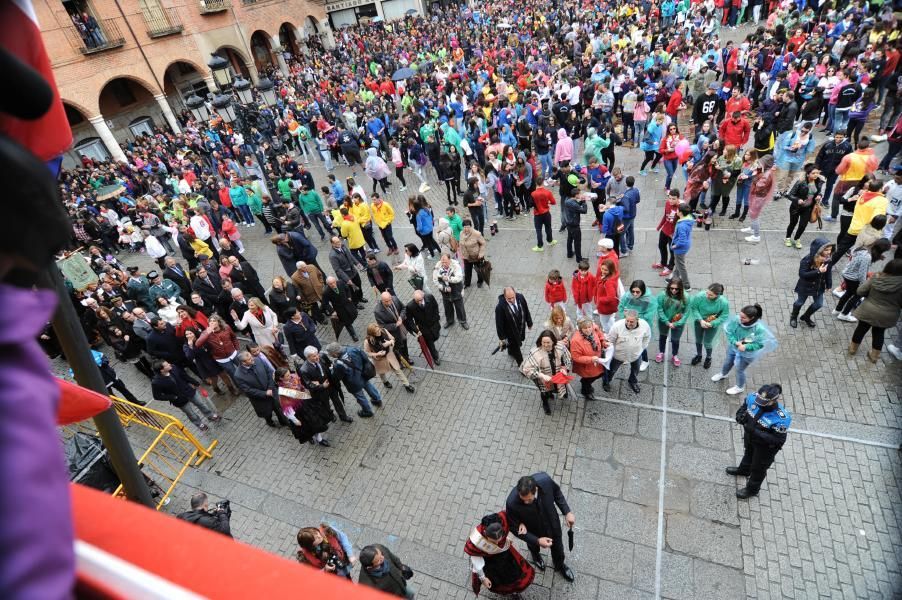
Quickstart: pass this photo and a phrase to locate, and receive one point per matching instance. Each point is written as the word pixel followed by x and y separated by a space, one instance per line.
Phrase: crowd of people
pixel 512 109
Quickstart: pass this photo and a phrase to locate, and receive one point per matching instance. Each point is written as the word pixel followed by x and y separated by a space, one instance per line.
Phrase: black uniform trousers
pixel 755 462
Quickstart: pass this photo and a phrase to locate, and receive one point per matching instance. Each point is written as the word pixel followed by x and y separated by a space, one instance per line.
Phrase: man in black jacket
pixel 827 159
pixel 533 518
pixel 162 342
pixel 380 275
pixel 171 384
pixel 382 570
pixel 316 373
pixel 207 284
pixel 177 274
pixel 512 320
pixel 255 378
pixel 345 267
pixel 708 106
pixel 338 303
pixel 299 331
pixel 200 514
pixel 422 318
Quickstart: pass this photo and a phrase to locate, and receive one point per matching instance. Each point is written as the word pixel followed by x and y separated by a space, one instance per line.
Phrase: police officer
pixel 766 422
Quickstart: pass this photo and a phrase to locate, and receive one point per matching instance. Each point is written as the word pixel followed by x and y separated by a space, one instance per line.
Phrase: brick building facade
pixel 125 65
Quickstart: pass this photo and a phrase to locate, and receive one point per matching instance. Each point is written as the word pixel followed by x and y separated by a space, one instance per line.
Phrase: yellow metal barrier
pixel 172 451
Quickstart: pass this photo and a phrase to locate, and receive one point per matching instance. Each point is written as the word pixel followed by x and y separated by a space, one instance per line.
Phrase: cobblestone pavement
pixel 651 520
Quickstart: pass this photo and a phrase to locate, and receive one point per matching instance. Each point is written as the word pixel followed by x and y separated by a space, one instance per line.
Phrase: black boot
pixel 745 211
pixel 746 492
pixel 723 209
pixel 735 214
pixel 806 318
pixel 545 406
pixel 794 317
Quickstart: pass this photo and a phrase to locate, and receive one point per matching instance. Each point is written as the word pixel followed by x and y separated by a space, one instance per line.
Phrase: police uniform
pixel 764 436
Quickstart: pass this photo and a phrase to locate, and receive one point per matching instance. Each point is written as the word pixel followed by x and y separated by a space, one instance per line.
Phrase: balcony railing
pixel 103 35
pixel 208 7
pixel 161 21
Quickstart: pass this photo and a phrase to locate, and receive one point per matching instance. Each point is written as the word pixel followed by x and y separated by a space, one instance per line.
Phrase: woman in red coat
pixel 190 319
pixel 606 297
pixel 665 228
pixel 587 351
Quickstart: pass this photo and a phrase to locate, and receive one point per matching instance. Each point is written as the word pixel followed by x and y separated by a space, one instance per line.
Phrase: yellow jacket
pixel 383 214
pixel 200 247
pixel 869 206
pixel 351 231
pixel 361 213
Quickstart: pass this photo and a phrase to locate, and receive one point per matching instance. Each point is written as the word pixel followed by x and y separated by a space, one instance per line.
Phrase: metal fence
pixel 161 21
pixel 214 6
pixel 95 36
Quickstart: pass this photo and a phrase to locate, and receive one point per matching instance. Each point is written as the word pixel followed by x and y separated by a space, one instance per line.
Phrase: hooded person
pixel 563 150
pixel 377 169
pixel 815 276
pixel 594 145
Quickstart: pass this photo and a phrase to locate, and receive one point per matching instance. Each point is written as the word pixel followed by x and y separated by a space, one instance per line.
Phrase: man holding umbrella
pixel 424 321
pixel 533 519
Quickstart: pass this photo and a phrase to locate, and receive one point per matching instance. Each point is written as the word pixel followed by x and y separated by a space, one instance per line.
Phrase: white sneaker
pixel 834 312
pixel 895 351
pixel 847 318
pixel 643 366
pixel 402 188
pixel 745 230
pixel 753 239
pixel 838 292
pixel 735 390
pixel 718 377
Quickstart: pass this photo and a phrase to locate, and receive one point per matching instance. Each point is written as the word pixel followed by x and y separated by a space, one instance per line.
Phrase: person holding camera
pixel 766 422
pixel 448 277
pixel 215 520
pixel 326 548
pixel 382 570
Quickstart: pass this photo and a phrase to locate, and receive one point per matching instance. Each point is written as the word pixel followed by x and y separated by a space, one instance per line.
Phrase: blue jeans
pixel 670 165
pixel 742 363
pixel 547 165
pixel 841 120
pixel 373 394
pixel 245 212
pixel 817 301
pixel 742 194
pixel 628 239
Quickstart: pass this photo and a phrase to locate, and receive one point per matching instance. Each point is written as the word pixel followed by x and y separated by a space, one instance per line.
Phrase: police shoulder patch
pixel 782 414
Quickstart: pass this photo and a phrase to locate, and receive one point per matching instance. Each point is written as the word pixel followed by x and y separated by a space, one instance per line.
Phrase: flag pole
pixel 75 347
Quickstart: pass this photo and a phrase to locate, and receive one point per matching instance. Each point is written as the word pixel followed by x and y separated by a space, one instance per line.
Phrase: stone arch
pixel 261 49
pixel 288 38
pixel 76 107
pixel 237 59
pixel 150 87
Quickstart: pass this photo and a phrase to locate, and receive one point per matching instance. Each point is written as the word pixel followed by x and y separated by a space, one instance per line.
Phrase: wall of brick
pixel 81 78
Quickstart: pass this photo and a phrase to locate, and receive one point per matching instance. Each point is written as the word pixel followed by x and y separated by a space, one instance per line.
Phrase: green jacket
pixel 255 204
pixel 457 225
pixel 284 185
pixel 310 202
pixel 594 145
pixel 645 305
pixel 702 308
pixel 754 337
pixel 668 308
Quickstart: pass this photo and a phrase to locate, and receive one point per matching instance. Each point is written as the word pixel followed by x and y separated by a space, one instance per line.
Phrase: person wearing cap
pixel 138 288
pixel 765 422
pixel 163 288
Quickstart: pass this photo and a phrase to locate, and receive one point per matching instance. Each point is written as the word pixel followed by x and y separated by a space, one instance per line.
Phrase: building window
pixel 93 148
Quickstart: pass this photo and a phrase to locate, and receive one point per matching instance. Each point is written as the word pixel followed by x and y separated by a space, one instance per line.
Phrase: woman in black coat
pixel 282 297
pixel 815 276
pixel 802 197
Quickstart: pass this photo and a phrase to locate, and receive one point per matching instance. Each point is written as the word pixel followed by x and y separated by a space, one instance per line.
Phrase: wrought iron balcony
pixel 99 35
pixel 161 21
pixel 209 7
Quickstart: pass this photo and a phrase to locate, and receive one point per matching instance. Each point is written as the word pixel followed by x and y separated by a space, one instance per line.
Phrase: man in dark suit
pixel 339 305
pixel 207 284
pixel 422 316
pixel 316 373
pixel 512 319
pixel 345 267
pixel 177 274
pixel 380 274
pixel 533 518
pixel 244 270
pixel 389 314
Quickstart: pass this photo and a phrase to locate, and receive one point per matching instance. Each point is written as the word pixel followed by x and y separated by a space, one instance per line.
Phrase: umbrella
pixel 110 191
pixel 570 540
pixel 501 346
pixel 411 11
pixel 424 348
pixel 404 73
pixel 377 20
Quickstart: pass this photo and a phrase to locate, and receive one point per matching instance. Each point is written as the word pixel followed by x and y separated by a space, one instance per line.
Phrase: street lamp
pixel 268 90
pixel 223 105
pixel 221 71
pixel 198 108
pixel 243 88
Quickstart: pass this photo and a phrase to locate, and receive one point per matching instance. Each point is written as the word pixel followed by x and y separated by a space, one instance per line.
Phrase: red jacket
pixel 734 133
pixel 555 292
pixel 584 356
pixel 606 299
pixel 610 255
pixel 224 198
pixel 673 105
pixel 582 287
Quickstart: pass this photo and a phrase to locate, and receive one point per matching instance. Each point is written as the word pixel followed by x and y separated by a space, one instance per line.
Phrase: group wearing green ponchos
pixel 708 311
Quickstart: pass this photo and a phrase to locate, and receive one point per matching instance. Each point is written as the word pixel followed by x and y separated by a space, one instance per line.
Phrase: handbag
pixel 815 213
pixel 416 282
